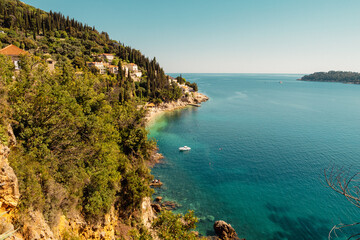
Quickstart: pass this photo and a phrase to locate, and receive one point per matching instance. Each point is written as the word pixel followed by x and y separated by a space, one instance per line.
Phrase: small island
pixel 333 76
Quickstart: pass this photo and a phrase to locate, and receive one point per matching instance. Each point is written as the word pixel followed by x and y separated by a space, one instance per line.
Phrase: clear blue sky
pixel 233 36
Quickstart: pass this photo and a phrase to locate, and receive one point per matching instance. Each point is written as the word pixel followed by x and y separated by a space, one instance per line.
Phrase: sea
pixel 259 149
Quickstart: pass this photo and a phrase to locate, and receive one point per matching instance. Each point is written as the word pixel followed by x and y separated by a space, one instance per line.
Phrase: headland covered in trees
pixel 73 143
pixel 333 76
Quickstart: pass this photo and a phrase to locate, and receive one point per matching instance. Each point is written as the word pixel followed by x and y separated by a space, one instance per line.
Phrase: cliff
pixel 34 226
pixel 9 188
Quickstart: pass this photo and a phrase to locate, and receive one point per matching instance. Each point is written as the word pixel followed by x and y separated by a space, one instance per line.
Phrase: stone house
pixel 99 65
pixel 133 67
pixel 138 74
pixel 125 69
pixel 51 64
pixel 107 56
pixel 113 69
pixel 14 52
pixel 171 79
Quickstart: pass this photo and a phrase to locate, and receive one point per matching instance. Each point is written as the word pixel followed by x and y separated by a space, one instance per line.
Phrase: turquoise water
pixel 258 153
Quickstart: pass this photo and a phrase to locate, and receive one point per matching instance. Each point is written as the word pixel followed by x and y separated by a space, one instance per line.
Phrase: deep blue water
pixel 258 153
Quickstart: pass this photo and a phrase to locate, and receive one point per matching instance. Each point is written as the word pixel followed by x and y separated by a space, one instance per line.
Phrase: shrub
pixel 175 226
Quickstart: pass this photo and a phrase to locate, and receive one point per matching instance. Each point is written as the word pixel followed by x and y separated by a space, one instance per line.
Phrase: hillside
pixel 333 76
pixel 75 136
pixel 68 41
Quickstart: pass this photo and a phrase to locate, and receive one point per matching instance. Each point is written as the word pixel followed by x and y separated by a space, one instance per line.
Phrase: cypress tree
pixel 120 74
pixel 43 26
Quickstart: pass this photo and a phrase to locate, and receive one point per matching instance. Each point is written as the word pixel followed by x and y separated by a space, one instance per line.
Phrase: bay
pixel 259 148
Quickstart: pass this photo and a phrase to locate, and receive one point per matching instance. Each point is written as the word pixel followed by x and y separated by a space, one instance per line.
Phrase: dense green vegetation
pixel 170 226
pixel 333 76
pixel 77 149
pixel 175 226
pixel 69 41
pixel 182 80
pixel 82 145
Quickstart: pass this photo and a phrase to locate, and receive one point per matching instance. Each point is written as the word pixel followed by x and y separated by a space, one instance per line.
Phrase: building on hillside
pixel 99 65
pixel 14 52
pixel 134 70
pixel 171 79
pixel 51 64
pixel 125 69
pixel 186 89
pixel 107 56
pixel 132 67
pixel 150 105
pixel 138 74
pixel 113 69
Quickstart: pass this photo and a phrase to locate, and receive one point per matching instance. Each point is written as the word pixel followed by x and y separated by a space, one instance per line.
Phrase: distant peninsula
pixel 333 76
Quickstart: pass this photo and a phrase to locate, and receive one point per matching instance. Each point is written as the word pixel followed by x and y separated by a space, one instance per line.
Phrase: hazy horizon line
pixel 232 73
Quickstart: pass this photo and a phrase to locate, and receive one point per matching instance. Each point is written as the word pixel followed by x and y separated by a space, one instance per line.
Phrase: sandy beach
pixel 159 110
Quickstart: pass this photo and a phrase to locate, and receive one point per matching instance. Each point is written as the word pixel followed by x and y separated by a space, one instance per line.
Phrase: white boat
pixel 184 148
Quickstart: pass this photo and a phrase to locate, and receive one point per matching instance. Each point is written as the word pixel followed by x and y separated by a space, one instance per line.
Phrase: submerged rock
pixel 224 230
pixel 210 218
pixel 196 233
pixel 156 183
pixel 169 205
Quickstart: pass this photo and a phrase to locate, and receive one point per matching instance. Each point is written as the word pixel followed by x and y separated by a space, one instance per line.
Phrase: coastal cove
pixel 259 149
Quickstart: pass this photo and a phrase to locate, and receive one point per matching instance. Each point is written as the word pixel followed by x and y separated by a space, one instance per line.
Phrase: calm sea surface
pixel 258 153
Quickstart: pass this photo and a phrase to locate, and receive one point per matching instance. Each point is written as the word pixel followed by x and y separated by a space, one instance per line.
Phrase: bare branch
pixel 342 182
pixel 347 184
pixel 341 226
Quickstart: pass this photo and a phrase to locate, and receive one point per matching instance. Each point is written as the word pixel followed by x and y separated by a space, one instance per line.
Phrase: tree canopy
pixel 77 149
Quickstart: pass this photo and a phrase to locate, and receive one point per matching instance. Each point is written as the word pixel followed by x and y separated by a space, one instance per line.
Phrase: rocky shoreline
pixel 191 100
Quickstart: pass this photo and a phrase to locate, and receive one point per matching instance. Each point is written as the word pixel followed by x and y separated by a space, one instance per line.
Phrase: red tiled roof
pixel 12 50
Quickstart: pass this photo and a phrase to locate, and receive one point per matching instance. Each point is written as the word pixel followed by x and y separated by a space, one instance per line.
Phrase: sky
pixel 228 36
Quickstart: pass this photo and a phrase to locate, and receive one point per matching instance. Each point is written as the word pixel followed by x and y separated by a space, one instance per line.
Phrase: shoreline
pixel 152 115
pixel 155 206
pixel 157 111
